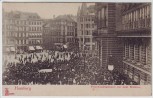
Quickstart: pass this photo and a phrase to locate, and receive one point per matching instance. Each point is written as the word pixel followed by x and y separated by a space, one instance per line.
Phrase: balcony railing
pixel 140 24
pixel 138 66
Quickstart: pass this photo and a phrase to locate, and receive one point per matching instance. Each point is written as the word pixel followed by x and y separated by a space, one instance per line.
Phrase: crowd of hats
pixel 57 68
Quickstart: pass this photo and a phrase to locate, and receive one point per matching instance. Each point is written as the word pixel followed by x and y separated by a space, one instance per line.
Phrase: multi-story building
pixel 51 35
pixel 17 31
pixel 105 35
pixel 135 32
pixel 60 31
pixel 85 27
pixel 35 30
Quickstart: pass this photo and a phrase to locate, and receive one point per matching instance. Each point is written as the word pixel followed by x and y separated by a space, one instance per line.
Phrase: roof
pixel 21 15
pixel 65 17
pixel 90 10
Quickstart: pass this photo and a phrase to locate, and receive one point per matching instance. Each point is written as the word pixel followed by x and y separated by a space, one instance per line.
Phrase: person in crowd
pixel 67 69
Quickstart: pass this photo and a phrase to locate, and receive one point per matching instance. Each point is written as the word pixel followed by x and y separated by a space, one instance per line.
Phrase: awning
pixel 45 70
pixel 12 49
pixel 31 48
pixel 38 47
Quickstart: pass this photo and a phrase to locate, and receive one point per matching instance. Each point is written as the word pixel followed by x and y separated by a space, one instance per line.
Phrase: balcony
pixel 137 65
pixel 141 25
pixel 135 29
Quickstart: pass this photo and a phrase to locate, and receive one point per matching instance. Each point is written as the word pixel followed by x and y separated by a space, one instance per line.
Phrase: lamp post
pixel 111 65
pixel 111 68
pixel 99 42
pixel 84 55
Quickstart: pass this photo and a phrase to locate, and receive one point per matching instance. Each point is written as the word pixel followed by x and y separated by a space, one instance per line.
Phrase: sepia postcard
pixel 76 49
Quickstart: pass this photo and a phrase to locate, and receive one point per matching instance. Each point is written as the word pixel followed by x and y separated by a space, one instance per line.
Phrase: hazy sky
pixel 45 10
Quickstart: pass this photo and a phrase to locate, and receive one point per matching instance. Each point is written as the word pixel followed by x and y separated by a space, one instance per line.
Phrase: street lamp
pixel 84 55
pixel 111 67
pixel 111 63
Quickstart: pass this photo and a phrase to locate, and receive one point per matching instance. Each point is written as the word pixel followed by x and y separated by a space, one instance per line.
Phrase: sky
pixel 45 10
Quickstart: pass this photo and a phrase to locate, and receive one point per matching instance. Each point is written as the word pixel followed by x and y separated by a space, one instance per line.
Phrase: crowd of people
pixel 65 68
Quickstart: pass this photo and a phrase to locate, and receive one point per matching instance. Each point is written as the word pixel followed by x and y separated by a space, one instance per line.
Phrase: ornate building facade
pixel 85 27
pixel 105 35
pixel 60 31
pixel 17 31
pixel 136 37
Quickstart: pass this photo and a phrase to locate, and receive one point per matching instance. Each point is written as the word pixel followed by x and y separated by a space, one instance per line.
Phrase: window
pixel 87 32
pixel 81 19
pixel 23 41
pixel 19 41
pixel 93 25
pixel 82 39
pixel 81 26
pixel 82 33
pixel 19 34
pixel 143 54
pixel 102 17
pixel 148 12
pixel 26 34
pixel 149 54
pixel 126 50
pixel 86 25
pixel 26 41
pixel 102 13
pixel 87 40
pixel 89 25
pixel 132 51
pixel 140 13
pixel 29 28
pixel 23 35
pixel 92 19
pixel 99 15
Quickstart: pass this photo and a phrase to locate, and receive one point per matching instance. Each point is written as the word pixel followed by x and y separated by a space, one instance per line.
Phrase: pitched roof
pixel 22 15
pixel 86 10
pixel 65 17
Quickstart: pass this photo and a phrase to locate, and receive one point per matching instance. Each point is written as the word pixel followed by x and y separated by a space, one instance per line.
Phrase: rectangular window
pixel 19 34
pixel 102 13
pixel 86 25
pixel 99 15
pixel 131 51
pixel 149 54
pixel 87 32
pixel 143 54
pixel 81 26
pixel 87 40
pixel 19 41
pixel 104 16
pixel 126 50
pixel 23 35
pixel 93 25
pixel 82 33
